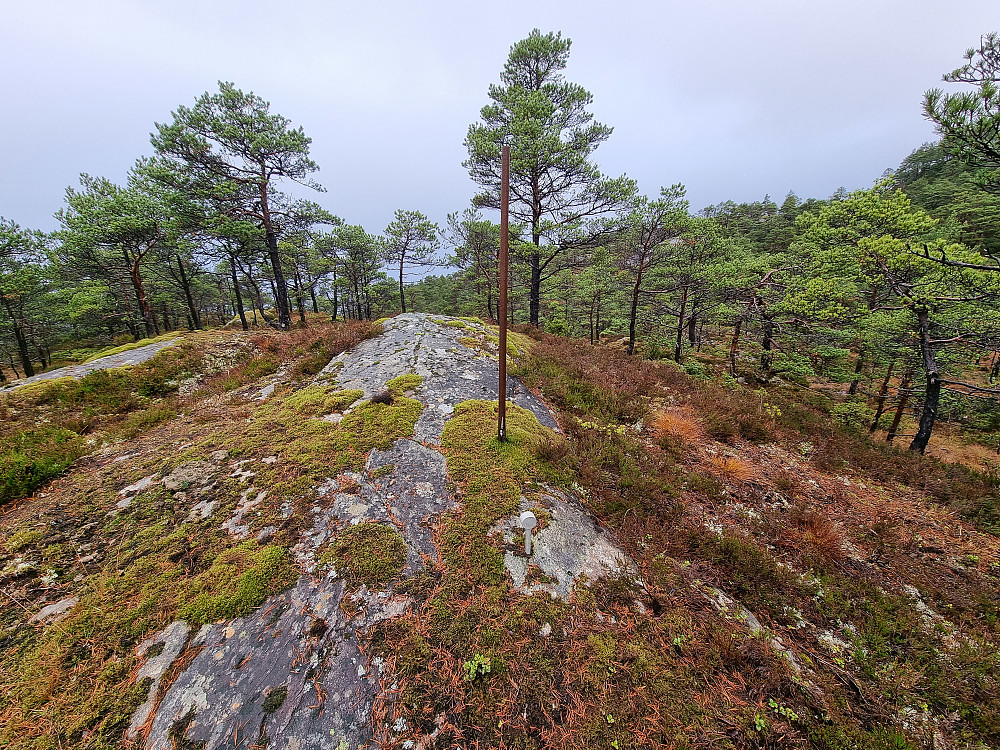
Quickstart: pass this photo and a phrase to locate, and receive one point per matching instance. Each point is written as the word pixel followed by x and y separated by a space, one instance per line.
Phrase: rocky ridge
pixel 293 671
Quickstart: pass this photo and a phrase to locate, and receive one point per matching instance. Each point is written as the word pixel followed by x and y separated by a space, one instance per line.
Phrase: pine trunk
pixel 904 396
pixel 185 284
pixel 239 296
pixel 880 401
pixel 734 346
pixel 678 344
pixel 932 391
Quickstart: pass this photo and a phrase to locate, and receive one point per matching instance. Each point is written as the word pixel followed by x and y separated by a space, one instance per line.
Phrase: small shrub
pixel 672 445
pixel 110 391
pixel 884 535
pixel 33 457
pixel 852 414
pixel 555 450
pixel 312 363
pixel 653 350
pixel 750 573
pixel 694 368
pixel 785 482
pixel 721 428
pixel 557 328
pixel 322 343
pixel 703 484
pixel 818 535
pixel 753 428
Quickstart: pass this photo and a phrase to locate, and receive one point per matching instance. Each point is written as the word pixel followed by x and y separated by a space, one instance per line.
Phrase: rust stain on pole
pixel 502 305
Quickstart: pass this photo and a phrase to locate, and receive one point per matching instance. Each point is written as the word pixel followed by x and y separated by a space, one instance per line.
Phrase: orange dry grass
pixel 732 469
pixel 678 425
pixel 814 532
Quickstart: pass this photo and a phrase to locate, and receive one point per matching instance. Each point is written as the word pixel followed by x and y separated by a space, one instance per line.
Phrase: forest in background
pixel 890 291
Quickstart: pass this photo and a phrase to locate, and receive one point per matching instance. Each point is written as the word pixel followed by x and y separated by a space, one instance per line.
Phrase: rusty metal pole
pixel 502 306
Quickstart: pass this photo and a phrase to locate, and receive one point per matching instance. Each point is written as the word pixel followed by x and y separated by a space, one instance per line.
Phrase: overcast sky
pixel 733 98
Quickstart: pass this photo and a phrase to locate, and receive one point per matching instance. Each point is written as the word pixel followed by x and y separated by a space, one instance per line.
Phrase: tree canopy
pixel 555 188
pixel 231 150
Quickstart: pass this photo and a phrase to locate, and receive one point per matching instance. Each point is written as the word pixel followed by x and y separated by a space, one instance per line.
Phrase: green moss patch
pixel 67 683
pixel 275 699
pixel 140 421
pixel 369 553
pixel 403 383
pixel 238 581
pixel 491 474
pixel 70 679
pixel 487 340
pixel 24 538
pixel 316 400
pixel 380 425
pixel 322 447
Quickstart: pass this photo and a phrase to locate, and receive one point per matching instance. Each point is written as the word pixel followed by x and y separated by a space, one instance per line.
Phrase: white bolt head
pixel 528 520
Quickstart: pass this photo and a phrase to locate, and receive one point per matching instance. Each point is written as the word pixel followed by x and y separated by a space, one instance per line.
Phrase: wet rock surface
pixel 292 674
pixel 452 371
pixel 300 645
pixel 123 359
pixel 160 651
pixel 571 545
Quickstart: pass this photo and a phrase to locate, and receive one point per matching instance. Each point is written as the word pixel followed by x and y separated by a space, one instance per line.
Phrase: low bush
pixel 32 457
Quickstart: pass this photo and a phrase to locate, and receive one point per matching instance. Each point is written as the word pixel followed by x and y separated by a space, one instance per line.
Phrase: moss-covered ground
pixel 878 570
pixel 511 670
pixel 367 553
pixel 139 563
pixel 46 426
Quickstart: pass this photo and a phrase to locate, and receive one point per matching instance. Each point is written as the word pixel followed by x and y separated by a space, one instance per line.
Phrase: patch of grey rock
pixel 123 359
pixel 293 671
pixel 569 546
pixel 452 371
